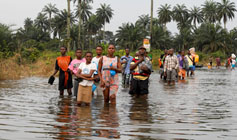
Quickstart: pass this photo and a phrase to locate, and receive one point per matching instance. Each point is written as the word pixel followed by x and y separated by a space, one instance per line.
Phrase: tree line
pixel 199 27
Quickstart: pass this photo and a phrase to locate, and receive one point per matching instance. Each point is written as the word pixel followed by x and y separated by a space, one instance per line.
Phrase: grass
pixel 10 69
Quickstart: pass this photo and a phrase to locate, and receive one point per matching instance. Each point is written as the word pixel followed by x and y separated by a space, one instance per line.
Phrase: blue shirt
pixel 126 66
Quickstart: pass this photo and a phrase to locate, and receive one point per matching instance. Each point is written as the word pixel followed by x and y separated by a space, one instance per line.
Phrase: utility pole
pixel 151 24
pixel 79 25
pixel 68 25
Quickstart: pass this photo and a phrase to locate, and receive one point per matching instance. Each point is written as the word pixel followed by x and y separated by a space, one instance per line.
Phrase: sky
pixel 14 12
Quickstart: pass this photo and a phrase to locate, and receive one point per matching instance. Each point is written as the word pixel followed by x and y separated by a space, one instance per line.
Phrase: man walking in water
pixel 141 68
pixel 96 59
pixel 125 61
pixel 171 67
pixel 162 62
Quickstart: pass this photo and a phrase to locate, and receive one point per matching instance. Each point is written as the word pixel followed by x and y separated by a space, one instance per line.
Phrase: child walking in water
pixel 109 67
pixel 86 72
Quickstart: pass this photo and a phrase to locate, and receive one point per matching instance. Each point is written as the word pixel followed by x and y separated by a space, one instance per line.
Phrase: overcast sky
pixel 16 11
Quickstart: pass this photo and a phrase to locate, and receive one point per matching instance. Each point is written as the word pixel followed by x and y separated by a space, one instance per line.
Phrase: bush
pixel 218 54
pixel 202 56
pixel 5 50
pixel 33 44
pixel 53 45
pixel 30 54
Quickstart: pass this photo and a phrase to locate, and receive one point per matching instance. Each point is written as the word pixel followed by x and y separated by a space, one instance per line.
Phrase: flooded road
pixel 200 108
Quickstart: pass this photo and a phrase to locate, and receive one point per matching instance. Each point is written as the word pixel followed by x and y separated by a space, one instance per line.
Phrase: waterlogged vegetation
pixel 32 49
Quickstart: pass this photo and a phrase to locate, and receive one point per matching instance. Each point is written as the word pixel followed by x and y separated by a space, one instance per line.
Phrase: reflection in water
pixel 109 122
pixel 140 116
pixel 65 116
pixel 139 111
pixel 201 107
pixel 77 122
pixel 84 121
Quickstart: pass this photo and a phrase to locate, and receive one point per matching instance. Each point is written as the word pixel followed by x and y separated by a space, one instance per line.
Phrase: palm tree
pixel 226 11
pixel 59 22
pixel 79 6
pixel 68 24
pixel 161 38
pixel 196 15
pixel 181 16
pixel 209 9
pixel 209 38
pixel 41 22
pixel 233 39
pixel 151 22
pixel 104 14
pixel 50 9
pixel 129 35
pixel 92 26
pixel 85 12
pixel 165 14
pixel 5 35
pixel 7 46
pixel 28 23
pixel 144 22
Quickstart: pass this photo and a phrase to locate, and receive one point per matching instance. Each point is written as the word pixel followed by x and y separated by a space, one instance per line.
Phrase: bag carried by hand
pixel 51 80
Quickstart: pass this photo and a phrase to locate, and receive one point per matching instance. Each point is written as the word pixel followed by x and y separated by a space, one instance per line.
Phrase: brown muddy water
pixel 200 108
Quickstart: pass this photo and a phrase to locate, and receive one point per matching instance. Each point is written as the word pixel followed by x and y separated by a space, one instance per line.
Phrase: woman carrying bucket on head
pixel 109 67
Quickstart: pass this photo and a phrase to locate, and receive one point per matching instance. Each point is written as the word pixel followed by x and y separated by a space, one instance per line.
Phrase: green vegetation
pixel 199 27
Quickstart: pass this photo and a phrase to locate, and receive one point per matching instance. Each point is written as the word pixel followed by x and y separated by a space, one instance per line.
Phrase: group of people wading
pixel 99 74
pixel 174 67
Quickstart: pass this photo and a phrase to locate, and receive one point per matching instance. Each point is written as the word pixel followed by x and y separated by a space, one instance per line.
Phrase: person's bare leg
pixel 106 95
pixel 173 82
pixel 61 92
pixel 69 91
pixel 79 103
pixel 113 99
pixel 144 96
pixel 87 104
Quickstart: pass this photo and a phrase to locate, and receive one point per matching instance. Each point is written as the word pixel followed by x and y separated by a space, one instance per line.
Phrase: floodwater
pixel 200 108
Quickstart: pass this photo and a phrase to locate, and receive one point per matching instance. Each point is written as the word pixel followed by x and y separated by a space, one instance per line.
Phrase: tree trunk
pixel 79 25
pixel 151 24
pixel 50 23
pixel 90 42
pixel 104 32
pixel 165 28
pixel 68 25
